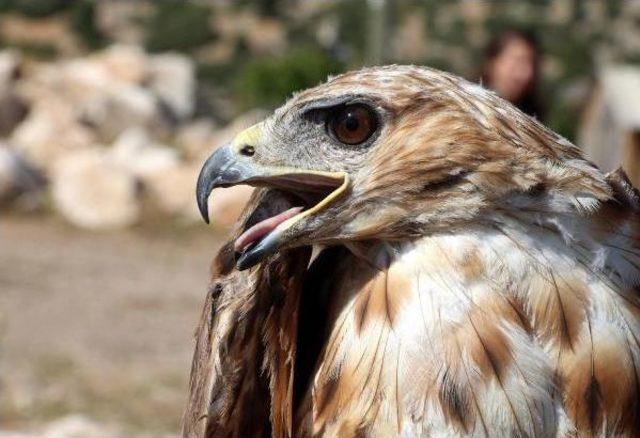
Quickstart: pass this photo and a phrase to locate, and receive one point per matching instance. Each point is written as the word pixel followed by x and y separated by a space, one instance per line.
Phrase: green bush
pixel 83 22
pixel 35 8
pixel 41 51
pixel 563 119
pixel 268 82
pixel 178 25
pixel 267 8
pixel 353 27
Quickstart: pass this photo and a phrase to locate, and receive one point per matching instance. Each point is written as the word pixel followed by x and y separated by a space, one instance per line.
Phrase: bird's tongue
pixel 263 228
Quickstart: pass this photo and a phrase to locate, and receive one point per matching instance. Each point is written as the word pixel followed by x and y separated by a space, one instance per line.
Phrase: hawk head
pixel 392 153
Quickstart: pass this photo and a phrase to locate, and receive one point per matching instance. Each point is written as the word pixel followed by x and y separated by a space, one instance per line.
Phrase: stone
pixel 50 131
pixel 194 139
pixel 124 63
pixel 173 190
pixel 17 177
pixel 116 106
pixel 173 80
pixel 97 127
pixel 78 426
pixel 226 205
pixel 136 151
pixel 98 91
pixel 10 63
pixel 91 190
pixel 13 109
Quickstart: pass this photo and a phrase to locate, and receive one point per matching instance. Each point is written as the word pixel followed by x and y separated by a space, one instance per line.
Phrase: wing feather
pixel 241 381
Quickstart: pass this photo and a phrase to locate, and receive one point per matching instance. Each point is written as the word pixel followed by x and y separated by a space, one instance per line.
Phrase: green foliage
pixel 215 74
pixel 6 5
pixel 83 22
pixel 440 63
pixel 575 54
pixel 564 121
pixel 178 25
pixel 44 52
pixel 267 8
pixel 353 28
pixel 222 75
pixel 455 34
pixel 632 59
pixel 35 8
pixel 614 7
pixel 268 82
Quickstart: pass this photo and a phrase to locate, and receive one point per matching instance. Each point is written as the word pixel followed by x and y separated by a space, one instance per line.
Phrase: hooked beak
pixel 221 169
pixel 226 168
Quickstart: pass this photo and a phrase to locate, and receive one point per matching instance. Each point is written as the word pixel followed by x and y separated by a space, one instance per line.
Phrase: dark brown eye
pixel 352 124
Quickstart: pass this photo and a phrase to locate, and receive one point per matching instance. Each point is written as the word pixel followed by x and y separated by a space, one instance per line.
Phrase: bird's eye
pixel 352 124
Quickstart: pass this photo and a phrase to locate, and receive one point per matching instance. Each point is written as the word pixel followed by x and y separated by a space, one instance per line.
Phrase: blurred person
pixel 512 70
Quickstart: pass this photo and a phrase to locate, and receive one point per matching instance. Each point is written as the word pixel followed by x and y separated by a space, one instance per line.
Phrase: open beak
pixel 315 189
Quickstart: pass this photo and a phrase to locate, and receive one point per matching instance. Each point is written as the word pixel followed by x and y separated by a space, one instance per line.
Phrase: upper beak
pixel 222 169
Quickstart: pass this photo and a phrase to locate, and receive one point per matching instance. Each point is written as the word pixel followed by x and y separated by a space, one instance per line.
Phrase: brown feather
pixel 248 324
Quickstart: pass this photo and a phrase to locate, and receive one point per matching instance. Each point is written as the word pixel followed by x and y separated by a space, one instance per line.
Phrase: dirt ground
pixel 98 324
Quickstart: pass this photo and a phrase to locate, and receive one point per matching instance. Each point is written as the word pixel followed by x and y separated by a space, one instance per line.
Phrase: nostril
pixel 247 150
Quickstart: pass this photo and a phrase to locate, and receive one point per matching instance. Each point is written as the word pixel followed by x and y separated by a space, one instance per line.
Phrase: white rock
pixel 71 426
pixel 9 64
pixel 16 176
pixel 266 36
pixel 98 91
pixel 125 63
pixel 14 434
pixel 13 109
pixel 173 190
pixel 93 191
pixel 195 139
pixel 93 130
pixel 119 107
pixel 135 151
pixel 8 171
pixel 79 426
pixel 173 81
pixel 50 130
pixel 226 205
pixel 132 141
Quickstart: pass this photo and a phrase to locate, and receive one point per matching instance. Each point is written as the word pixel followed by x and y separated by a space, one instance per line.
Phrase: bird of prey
pixel 420 258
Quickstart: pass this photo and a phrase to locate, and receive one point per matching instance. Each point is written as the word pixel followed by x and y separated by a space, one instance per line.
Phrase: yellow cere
pixel 250 136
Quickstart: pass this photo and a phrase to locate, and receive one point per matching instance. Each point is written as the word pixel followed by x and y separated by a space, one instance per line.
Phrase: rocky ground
pixel 96 328
pixel 102 139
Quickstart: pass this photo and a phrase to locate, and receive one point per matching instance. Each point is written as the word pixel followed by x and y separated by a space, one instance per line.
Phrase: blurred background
pixel 108 109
